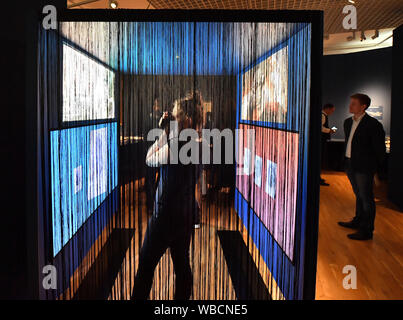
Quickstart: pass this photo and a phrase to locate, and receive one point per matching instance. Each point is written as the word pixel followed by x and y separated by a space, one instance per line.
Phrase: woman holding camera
pixel 171 224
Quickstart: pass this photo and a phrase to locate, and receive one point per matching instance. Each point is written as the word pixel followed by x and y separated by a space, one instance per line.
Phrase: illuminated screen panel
pixel 83 173
pixel 88 87
pixel 264 89
pixel 267 179
pixel 271 182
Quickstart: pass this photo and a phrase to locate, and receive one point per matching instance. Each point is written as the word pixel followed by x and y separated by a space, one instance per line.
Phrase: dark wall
pixel 18 239
pixel 13 236
pixel 368 72
pixel 396 134
pixel 139 92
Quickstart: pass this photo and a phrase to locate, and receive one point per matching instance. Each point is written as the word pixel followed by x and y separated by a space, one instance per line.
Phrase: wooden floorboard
pixel 379 262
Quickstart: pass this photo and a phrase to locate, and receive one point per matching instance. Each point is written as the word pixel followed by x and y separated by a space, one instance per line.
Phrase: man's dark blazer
pixel 368 145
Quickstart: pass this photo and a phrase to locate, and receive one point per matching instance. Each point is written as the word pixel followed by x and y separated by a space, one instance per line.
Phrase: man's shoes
pixel 322 182
pixel 360 236
pixel 350 224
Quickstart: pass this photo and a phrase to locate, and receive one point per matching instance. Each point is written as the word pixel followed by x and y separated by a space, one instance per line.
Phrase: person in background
pixel 365 155
pixel 327 110
pixel 155 113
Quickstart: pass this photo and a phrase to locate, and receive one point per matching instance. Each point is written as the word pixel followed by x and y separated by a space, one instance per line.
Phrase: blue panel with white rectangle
pixel 83 173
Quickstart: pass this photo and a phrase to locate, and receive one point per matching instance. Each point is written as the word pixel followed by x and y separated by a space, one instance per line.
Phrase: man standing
pixel 327 110
pixel 365 154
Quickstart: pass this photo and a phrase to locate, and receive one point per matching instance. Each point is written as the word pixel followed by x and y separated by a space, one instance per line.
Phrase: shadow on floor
pixel 99 280
pixel 246 279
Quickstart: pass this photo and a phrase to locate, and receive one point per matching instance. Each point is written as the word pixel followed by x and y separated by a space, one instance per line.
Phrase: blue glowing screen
pixel 83 173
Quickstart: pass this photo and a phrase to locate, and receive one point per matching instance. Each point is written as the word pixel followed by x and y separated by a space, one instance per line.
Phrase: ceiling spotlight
pixel 351 38
pixel 113 4
pixel 362 38
pixel 351 1
pixel 376 35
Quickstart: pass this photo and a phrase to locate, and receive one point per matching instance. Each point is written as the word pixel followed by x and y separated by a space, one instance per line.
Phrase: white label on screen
pixel 78 179
pixel 98 163
pixel 271 179
pixel 246 162
pixel 258 171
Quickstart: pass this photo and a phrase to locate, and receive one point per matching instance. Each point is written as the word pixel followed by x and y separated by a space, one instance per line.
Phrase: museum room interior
pixel 205 150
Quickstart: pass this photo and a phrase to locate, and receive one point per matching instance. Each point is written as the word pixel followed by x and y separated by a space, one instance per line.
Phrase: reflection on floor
pixel 379 262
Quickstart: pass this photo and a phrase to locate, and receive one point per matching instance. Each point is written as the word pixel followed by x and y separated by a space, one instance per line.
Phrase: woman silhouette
pixel 171 225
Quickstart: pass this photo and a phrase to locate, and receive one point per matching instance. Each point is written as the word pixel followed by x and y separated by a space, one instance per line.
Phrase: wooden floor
pixel 211 279
pixel 379 262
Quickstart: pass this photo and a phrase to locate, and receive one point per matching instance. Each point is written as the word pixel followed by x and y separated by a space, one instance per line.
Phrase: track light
pixel 363 36
pixel 351 38
pixel 113 4
pixel 376 35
